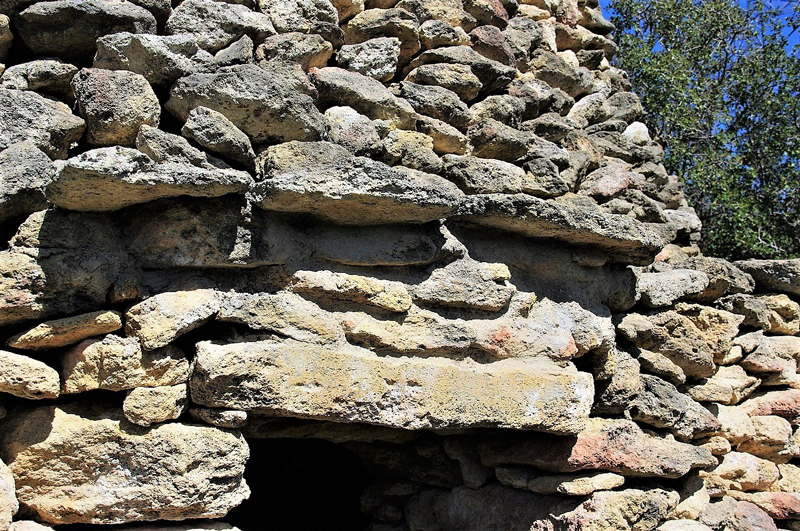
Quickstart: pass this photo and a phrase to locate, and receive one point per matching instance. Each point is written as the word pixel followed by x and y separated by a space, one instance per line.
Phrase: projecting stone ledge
pixel 622 238
pixel 360 191
pixel 350 384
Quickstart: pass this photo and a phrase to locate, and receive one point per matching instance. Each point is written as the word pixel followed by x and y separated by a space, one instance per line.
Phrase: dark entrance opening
pixel 301 484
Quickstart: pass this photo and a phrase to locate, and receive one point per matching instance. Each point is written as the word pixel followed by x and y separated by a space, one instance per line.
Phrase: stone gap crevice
pixel 402 265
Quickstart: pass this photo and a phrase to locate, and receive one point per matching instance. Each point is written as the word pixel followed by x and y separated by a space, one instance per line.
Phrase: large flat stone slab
pixel 80 464
pixel 360 191
pixel 622 238
pixel 112 178
pixel 774 275
pixel 350 384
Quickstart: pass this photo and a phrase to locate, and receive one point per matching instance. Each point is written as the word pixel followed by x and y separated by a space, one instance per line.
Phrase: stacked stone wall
pixel 433 232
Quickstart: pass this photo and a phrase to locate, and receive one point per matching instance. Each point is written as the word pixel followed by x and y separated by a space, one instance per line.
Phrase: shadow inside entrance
pixel 301 484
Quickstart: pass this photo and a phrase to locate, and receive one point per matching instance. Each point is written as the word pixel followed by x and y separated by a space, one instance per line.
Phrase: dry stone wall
pixel 431 232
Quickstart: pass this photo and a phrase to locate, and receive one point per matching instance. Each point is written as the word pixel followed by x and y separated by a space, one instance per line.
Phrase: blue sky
pixel 783 4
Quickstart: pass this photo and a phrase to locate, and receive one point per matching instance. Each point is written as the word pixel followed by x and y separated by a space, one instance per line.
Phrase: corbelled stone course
pixel 297 379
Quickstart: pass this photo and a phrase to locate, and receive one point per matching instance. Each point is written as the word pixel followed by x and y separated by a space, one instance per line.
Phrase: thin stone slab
pixel 349 384
pixel 67 331
pixel 622 238
pixel 774 275
pixel 112 178
pixel 360 191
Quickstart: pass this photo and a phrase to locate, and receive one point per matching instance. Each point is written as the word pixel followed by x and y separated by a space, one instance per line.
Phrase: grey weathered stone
pixel 311 51
pixel 376 58
pixel 374 23
pixel 27 378
pixel 364 94
pixel 269 104
pixel 111 178
pixel 283 313
pixel 69 29
pixel 360 191
pixel 664 289
pixel 661 405
pixel 215 25
pixel 492 75
pixel 777 314
pixel 774 275
pixel 62 456
pixel 213 131
pixel 239 52
pixel 557 73
pixel 457 78
pixel 114 103
pixel 50 125
pixel 771 358
pixel 467 284
pixel 161 59
pixel 45 75
pixel 724 277
pixel 511 393
pixel 621 238
pixel 729 385
pixel 165 147
pixel 118 363
pixel 305 16
pixel 436 102
pixel 570 484
pixel 352 130
pixel 25 172
pixel 385 295
pixel 436 33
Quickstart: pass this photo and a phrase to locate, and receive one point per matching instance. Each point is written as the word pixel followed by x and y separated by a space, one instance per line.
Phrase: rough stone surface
pixel 777 314
pixel 26 377
pixel 115 104
pixel 158 320
pixel 268 104
pixel 67 29
pixel 468 284
pixel 215 132
pixel 664 289
pixel 535 218
pixel 8 498
pixel 161 59
pixel 376 58
pixel 355 289
pixel 49 124
pixel 115 363
pixel 615 445
pixel 311 51
pixel 64 456
pixel 46 75
pixel 215 25
pixel 112 178
pixel 774 275
pixel 67 331
pixel 150 405
pixel 25 172
pixel 360 191
pixel 508 393
pixel 368 96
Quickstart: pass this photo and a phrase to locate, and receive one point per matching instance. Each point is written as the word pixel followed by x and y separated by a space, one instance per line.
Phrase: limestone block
pixel 354 385
pixel 619 237
pixel 383 295
pixel 160 319
pixel 82 464
pixel 26 377
pixel 67 331
pixel 150 405
pixel 8 498
pixel 116 363
pixel 774 275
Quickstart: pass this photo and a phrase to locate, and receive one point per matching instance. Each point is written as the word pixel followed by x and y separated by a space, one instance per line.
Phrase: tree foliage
pixel 721 83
